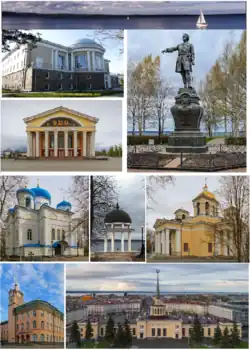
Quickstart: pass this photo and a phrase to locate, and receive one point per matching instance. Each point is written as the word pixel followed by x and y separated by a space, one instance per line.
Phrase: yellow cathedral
pixel 204 234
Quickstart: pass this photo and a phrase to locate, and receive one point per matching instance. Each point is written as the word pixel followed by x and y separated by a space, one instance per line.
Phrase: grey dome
pixel 117 215
pixel 87 43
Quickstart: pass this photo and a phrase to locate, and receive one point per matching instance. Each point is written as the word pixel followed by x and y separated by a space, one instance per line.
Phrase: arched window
pixel 207 208
pixel 34 337
pixel 47 337
pixel 42 337
pixel 183 216
pixel 34 312
pixel 198 208
pixel 63 235
pixel 58 235
pixel 53 234
pixel 27 202
pixel 34 324
pixel 42 324
pixel 29 235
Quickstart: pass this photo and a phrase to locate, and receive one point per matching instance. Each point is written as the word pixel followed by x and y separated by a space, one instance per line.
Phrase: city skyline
pixel 173 278
pixel 36 281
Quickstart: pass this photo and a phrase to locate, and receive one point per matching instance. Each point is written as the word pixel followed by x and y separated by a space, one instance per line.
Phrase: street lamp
pixel 142 243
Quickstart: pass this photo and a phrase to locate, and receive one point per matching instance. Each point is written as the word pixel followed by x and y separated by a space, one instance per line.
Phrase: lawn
pixel 60 94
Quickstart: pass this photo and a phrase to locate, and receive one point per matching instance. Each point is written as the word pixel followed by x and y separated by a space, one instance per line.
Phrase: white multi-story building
pixel 103 308
pixel 47 66
pixel 34 228
pixel 237 312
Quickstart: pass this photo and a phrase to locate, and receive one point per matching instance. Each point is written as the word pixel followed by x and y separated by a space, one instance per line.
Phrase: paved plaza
pixel 112 164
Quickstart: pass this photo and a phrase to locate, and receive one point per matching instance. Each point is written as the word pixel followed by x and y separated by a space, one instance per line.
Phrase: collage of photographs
pixel 124 185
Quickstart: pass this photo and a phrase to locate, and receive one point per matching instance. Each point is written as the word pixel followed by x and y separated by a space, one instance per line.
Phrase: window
pixel 58 234
pixel 209 332
pixel 63 235
pixel 42 338
pixel 61 61
pixel 133 331
pixel 185 248
pixel 47 75
pixel 34 312
pixel 34 324
pixel 29 235
pixel 46 86
pixel 22 327
pixel 34 337
pixel 71 86
pixel 183 216
pixel 53 234
pixel 158 332
pixel 61 76
pixel 81 62
pixel 164 332
pixel 88 77
pixel 42 324
pixel 153 332
pixel 102 333
pixel 60 87
pixel 27 325
pixel 207 208
pixel 198 208
pixel 17 327
pixel 183 332
pixel 210 247
pixel 71 76
pixel 42 313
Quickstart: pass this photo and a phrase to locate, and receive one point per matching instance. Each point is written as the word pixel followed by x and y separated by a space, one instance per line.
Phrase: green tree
pixel 196 331
pixel 235 336
pixel 110 331
pixel 75 334
pixel 89 330
pixel 15 36
pixel 217 335
pixel 225 339
pixel 120 337
pixel 127 334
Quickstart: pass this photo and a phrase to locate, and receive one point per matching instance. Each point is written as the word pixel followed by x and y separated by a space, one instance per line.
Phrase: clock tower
pixel 15 299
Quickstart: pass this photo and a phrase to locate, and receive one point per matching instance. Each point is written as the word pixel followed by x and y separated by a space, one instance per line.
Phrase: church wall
pixel 27 219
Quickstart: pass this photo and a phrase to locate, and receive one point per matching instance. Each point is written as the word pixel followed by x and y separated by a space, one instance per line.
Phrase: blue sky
pixel 36 281
pixel 173 277
pixel 208 46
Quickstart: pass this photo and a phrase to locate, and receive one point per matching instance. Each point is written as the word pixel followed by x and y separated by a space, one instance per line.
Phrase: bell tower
pixel 206 203
pixel 15 299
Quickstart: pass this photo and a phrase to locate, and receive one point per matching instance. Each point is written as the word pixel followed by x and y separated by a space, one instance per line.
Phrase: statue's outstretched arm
pixel 171 49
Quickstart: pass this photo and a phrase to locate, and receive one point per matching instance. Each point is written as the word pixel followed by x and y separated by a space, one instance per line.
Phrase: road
pixel 112 164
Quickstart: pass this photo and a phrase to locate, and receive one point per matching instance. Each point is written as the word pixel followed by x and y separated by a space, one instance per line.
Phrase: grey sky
pixel 173 277
pixel 109 127
pixel 56 185
pixel 208 45
pixel 177 196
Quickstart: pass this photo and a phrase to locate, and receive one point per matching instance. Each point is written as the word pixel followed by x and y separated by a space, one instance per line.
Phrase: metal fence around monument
pixel 219 157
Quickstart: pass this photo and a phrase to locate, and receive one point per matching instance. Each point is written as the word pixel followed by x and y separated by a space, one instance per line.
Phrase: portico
pixel 60 133
pixel 168 242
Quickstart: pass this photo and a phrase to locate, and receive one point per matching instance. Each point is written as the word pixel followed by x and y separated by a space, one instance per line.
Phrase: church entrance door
pixel 58 249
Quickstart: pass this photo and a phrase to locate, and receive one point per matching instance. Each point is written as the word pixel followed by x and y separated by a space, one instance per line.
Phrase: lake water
pixel 23 21
pixel 98 245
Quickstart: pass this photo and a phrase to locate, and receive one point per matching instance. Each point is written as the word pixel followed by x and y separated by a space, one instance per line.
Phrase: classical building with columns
pixel 60 133
pixel 48 66
pixel 204 234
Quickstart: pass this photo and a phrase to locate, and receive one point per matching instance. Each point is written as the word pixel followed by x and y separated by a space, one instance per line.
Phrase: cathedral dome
pixel 117 215
pixel 11 210
pixel 41 192
pixel 206 193
pixel 26 191
pixel 64 205
pixel 87 43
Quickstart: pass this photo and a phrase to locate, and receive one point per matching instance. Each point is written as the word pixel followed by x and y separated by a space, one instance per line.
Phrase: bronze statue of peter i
pixel 185 60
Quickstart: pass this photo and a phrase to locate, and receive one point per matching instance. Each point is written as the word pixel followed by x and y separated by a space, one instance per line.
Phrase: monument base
pixel 187 142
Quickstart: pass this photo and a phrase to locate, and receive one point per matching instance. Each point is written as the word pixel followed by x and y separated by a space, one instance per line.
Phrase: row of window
pixel 35 313
pixel 14 57
pixel 53 236
pixel 34 326
pixel 48 338
pixel 66 87
pixel 61 76
pixel 207 209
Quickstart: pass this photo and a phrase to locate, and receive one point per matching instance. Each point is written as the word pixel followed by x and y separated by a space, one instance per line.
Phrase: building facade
pixel 34 321
pixel 205 234
pixel 34 228
pixel 47 66
pixel 60 133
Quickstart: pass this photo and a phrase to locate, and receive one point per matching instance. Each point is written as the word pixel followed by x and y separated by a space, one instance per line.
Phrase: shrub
pixel 143 139
pixel 239 141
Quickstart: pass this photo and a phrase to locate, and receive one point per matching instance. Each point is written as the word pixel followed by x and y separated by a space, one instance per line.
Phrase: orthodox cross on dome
pixel 158 285
pixel 37 182
pixel 205 187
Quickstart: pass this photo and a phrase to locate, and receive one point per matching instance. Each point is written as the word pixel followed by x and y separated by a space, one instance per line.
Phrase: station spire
pixel 158 285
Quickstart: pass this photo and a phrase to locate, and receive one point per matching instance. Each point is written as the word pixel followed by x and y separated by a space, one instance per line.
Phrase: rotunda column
pixel 129 240
pixel 105 242
pixel 122 238
pixel 113 239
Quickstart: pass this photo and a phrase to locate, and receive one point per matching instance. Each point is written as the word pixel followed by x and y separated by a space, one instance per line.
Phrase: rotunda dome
pixel 64 205
pixel 117 215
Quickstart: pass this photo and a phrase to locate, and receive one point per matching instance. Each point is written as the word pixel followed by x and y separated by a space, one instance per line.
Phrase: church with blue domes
pixel 34 228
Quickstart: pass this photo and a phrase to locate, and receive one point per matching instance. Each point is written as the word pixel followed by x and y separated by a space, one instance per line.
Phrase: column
pixel 225 243
pixel 122 241
pixel 103 64
pixel 72 61
pixel 129 240
pixel 56 60
pixel 55 142
pixel 88 61
pixel 231 250
pixel 167 241
pixel 84 143
pixel 93 61
pixel 52 59
pixel 217 246
pixel 29 144
pixel 46 143
pixel 162 242
pixel 155 242
pixel 66 143
pixel 37 144
pixel 105 242
pixel 92 151
pixel 67 62
pixel 178 241
pixel 113 240
pixel 75 143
